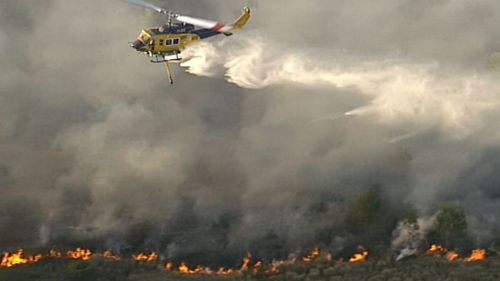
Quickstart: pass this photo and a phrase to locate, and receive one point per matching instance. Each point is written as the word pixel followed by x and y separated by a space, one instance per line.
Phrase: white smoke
pixel 402 93
pixel 408 236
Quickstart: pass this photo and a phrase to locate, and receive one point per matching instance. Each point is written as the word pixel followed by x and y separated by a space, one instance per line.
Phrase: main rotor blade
pixel 148 5
pixel 213 25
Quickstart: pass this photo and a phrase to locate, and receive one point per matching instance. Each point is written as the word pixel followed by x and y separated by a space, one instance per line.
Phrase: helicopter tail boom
pixel 215 26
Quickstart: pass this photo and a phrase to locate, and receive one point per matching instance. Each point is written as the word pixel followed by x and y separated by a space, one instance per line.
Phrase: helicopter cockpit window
pixel 145 39
pixel 176 41
pixel 168 42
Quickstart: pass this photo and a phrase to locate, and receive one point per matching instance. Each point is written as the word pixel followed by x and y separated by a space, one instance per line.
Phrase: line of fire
pixel 248 265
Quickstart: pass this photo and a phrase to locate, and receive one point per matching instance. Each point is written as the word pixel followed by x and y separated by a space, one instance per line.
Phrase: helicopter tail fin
pixel 240 22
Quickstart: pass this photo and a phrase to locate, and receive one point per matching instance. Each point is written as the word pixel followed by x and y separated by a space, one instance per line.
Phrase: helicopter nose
pixel 138 45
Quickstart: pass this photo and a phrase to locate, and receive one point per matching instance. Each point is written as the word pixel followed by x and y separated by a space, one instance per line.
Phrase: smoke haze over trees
pixel 96 148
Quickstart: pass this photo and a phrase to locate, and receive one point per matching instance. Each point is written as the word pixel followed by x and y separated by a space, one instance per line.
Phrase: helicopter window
pixel 176 41
pixel 161 42
pixel 168 42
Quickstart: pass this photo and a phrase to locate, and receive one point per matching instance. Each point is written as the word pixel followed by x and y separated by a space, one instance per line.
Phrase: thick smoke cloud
pixel 98 149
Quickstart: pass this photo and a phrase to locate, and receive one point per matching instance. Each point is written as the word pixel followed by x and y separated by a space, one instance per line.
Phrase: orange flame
pixel 168 266
pixel 359 257
pixel 199 270
pixel 257 266
pixel 436 249
pixel 16 258
pixel 224 271
pixel 452 256
pixel 246 261
pixel 274 267
pixel 108 255
pixel 183 268
pixel 476 255
pixel 79 254
pixel 34 259
pixel 145 258
pixel 312 255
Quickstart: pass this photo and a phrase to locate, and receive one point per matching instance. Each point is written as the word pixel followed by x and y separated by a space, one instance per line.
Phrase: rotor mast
pixel 170 19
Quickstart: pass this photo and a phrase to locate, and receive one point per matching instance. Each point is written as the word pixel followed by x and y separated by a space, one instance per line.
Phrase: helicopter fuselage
pixel 165 43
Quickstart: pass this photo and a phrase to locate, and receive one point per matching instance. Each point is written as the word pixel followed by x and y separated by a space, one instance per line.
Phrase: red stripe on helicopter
pixel 217 27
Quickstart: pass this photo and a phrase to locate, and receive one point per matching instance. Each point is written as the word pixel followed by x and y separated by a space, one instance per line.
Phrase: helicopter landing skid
pixel 169 57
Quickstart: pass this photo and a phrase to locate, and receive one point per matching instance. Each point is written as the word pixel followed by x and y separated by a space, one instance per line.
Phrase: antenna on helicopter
pixel 170 19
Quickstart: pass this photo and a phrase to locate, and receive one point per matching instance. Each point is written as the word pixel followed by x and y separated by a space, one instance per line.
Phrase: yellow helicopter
pixel 165 44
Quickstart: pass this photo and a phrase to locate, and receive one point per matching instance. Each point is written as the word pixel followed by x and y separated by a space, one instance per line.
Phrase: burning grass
pixel 17 258
pixel 475 255
pixel 82 264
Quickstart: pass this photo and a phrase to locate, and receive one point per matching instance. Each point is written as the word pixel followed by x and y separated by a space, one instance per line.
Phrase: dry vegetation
pixel 422 268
